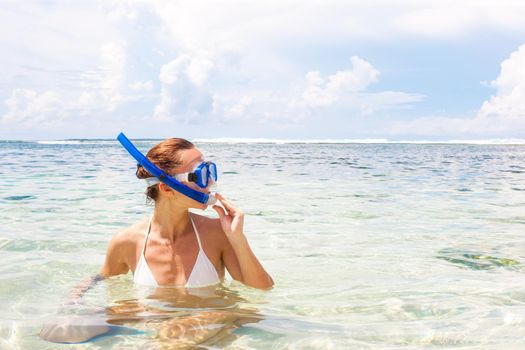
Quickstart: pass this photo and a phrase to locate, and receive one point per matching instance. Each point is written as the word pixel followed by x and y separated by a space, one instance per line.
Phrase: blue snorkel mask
pixel 202 175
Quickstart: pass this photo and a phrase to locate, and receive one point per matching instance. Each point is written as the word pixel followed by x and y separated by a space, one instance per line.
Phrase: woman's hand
pixel 232 220
pixel 72 329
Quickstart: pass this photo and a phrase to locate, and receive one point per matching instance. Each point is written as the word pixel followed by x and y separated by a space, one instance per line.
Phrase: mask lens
pixel 204 176
pixel 213 171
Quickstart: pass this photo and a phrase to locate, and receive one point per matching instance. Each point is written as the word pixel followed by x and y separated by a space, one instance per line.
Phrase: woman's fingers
pixel 231 217
pixel 219 210
pixel 227 204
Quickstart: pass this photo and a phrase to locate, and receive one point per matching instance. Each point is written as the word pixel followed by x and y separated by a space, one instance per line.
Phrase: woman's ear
pixel 164 188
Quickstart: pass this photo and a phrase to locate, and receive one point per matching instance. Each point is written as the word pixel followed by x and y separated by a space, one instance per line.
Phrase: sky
pixel 396 70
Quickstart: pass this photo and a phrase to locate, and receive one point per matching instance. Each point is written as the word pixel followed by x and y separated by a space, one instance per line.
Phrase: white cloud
pixel 141 86
pixel 171 70
pixel 259 107
pixel 321 92
pixel 436 22
pixel 256 25
pixel 102 89
pixel 240 108
pixel 198 70
pixel 502 115
pixel 340 94
pixel 45 35
pixel 369 103
pixel 28 107
pixel 347 88
pixel 231 60
pixel 112 74
pixel 450 18
pixel 509 102
pixel 184 96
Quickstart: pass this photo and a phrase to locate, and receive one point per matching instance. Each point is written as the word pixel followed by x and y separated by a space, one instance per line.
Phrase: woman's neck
pixel 170 222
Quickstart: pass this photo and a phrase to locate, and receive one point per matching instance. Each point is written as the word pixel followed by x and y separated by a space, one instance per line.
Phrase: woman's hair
pixel 166 156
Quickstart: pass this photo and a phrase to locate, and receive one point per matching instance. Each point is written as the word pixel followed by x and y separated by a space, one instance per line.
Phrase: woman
pixel 173 247
pixel 178 248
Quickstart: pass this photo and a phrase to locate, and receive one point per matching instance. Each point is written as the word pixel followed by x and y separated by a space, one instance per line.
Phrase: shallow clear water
pixel 371 246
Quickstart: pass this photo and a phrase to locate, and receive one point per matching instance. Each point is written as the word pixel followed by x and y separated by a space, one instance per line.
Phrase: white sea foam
pixel 302 141
pixel 76 142
pixel 287 141
pixel 58 142
pixel 360 141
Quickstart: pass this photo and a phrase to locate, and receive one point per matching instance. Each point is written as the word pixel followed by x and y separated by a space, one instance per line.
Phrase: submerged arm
pixel 114 264
pixel 80 289
pixel 75 328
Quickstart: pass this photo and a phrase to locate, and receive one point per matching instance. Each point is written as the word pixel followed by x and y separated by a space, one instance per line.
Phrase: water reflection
pixel 166 318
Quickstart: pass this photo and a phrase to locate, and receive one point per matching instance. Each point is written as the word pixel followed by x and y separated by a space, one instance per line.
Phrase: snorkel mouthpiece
pixel 162 176
pixel 211 199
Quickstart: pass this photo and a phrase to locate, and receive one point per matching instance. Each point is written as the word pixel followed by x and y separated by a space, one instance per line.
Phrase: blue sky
pixel 397 70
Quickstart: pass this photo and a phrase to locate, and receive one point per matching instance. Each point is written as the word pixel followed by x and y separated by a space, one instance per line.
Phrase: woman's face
pixel 190 158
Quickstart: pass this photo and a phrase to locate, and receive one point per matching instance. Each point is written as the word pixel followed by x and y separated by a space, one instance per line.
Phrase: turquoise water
pixel 371 246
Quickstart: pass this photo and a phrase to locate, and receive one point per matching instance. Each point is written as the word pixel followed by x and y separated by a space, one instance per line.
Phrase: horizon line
pixel 234 140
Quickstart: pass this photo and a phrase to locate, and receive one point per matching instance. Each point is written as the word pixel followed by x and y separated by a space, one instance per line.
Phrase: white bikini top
pixel 203 273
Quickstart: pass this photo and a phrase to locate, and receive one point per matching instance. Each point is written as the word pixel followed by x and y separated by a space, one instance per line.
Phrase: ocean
pixel 371 245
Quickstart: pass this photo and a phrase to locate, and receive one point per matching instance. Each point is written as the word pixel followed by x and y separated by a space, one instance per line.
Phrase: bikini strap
pixel 196 233
pixel 146 235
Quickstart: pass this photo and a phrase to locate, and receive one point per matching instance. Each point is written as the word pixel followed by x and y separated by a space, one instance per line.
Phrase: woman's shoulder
pixel 131 235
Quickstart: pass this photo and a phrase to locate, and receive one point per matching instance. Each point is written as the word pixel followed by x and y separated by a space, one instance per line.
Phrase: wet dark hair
pixel 166 156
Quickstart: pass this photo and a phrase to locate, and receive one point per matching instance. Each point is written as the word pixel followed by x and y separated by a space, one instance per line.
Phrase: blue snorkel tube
pixel 162 176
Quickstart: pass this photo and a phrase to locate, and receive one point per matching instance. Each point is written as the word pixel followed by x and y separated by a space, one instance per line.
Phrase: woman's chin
pixel 198 205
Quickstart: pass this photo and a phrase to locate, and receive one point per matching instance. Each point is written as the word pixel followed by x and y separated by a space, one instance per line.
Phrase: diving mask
pixel 203 174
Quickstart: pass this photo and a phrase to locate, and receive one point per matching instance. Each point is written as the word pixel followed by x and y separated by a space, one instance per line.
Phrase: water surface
pixel 371 246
